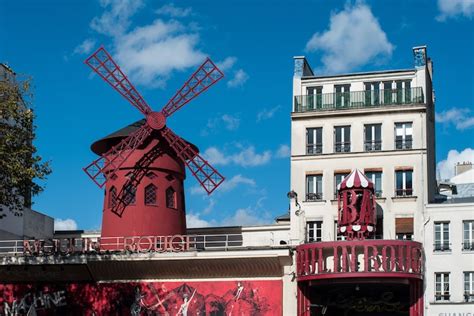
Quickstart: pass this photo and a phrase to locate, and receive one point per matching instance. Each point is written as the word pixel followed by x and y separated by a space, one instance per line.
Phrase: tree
pixel 20 166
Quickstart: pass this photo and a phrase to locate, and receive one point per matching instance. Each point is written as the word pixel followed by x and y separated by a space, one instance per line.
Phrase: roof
pixel 356 179
pixel 283 217
pixel 379 72
pixel 463 178
pixel 102 145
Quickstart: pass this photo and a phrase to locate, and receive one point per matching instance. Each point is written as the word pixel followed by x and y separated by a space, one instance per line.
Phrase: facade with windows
pixel 380 122
pixel 449 252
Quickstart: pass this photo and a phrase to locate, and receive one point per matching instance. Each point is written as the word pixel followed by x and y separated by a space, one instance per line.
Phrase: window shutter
pixel 404 225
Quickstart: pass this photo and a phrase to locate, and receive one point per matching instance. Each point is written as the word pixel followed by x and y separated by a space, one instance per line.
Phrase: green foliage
pixel 20 166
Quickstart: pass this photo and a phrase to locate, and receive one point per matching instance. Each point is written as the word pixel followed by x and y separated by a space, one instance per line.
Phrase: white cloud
pixel 227 63
pixel 266 114
pixel 66 224
pixel 446 166
pixel 461 118
pixel 283 151
pixel 116 18
pixel 149 53
pixel 354 38
pixel 174 11
pixel 240 77
pixel 195 220
pixel 454 8
pixel 245 217
pixel 226 186
pixel 85 47
pixel 246 157
pixel 231 122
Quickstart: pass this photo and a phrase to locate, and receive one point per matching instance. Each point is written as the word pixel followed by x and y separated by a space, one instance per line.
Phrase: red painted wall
pixel 139 219
pixel 260 297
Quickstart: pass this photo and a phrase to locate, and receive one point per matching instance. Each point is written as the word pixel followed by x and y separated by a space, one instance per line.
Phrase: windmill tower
pixel 142 166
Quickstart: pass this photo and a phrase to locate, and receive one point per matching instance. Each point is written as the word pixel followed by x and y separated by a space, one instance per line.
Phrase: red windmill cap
pixel 356 179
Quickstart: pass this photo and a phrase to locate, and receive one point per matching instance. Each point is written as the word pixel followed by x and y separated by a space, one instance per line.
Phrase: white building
pixel 379 122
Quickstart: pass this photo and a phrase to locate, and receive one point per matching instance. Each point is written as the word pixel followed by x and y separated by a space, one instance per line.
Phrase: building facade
pixel 366 232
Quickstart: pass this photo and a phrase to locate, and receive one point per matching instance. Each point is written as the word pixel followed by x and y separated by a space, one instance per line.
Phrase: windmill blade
pixel 100 169
pixel 135 177
pixel 103 64
pixel 207 176
pixel 204 77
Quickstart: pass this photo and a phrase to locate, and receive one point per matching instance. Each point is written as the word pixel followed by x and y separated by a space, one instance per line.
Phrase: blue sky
pixel 242 124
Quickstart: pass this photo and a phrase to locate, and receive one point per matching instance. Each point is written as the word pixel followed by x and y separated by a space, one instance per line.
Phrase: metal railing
pixel 342 147
pixel 68 246
pixel 314 149
pixel 375 145
pixel 312 197
pixel 442 246
pixel 404 192
pixel 468 245
pixel 403 144
pixel 358 99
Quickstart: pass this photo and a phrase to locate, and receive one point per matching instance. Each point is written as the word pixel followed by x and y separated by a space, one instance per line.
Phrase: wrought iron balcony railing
pixel 312 197
pixel 404 192
pixel 358 99
pixel 342 147
pixel 403 144
pixel 314 149
pixel 375 145
pixel 468 245
pixel 442 246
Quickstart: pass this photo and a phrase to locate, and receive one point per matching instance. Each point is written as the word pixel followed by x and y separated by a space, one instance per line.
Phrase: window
pixel 151 175
pixel 372 93
pixel 342 139
pixel 404 183
pixel 112 197
pixel 387 92
pixel 373 137
pixel 442 286
pixel 468 233
pixel 404 228
pixel 314 187
pixel 342 95
pixel 403 135
pixel 150 195
pixel 314 231
pixel 170 198
pixel 376 178
pixel 129 194
pixel 338 177
pixel 469 286
pixel 314 141
pixel 403 92
pixel 315 97
pixel 441 236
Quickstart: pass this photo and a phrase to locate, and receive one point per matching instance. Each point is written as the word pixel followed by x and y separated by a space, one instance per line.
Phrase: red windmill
pixel 142 165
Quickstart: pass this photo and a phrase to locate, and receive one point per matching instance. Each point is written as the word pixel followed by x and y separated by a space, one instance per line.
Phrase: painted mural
pixel 253 298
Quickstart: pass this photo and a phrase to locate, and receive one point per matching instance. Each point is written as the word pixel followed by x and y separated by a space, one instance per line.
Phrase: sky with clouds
pixel 242 124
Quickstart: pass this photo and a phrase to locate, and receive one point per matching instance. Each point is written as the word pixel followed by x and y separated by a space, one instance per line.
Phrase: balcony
pixel 358 99
pixel 359 258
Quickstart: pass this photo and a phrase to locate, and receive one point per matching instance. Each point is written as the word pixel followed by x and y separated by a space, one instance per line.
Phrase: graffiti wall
pixel 262 297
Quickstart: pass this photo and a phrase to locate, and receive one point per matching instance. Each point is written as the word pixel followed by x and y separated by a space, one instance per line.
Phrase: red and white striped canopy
pixel 356 179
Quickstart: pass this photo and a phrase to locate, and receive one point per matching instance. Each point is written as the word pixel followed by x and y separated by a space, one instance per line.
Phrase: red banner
pixel 144 298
